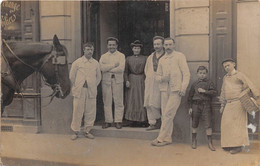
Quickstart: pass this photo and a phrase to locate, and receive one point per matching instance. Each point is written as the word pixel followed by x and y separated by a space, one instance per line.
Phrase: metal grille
pixel 7 128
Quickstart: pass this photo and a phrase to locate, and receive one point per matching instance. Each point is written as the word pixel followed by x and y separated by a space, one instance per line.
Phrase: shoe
pixel 154 142
pixel 119 125
pixel 158 123
pixel 210 145
pixel 74 136
pixel 235 150
pixel 194 141
pixel 89 135
pixel 152 127
pixel 158 143
pixel 226 149
pixel 106 125
pixel 194 144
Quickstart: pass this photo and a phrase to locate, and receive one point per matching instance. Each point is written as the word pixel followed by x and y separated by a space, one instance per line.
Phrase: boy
pixel 199 101
pixel 234 132
pixel 85 75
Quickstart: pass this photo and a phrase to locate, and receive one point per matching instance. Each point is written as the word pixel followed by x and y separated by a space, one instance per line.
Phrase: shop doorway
pixel 126 20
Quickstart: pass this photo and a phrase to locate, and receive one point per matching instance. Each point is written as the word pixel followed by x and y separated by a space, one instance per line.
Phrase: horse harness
pixel 56 60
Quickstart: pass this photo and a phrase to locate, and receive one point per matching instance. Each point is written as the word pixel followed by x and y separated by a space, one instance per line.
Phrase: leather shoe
pixel 235 150
pixel 74 136
pixel 106 125
pixel 118 125
pixel 194 144
pixel 89 135
pixel 158 143
pixel 152 127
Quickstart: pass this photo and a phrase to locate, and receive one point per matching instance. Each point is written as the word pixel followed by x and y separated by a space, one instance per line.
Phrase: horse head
pixel 55 69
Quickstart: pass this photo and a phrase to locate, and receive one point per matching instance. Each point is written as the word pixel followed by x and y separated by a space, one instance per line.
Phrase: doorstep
pixel 125 132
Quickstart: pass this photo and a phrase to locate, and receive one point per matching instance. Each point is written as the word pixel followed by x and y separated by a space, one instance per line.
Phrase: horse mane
pixel 28 48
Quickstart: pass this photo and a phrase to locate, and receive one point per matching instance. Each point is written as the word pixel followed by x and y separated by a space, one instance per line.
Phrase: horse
pixel 20 59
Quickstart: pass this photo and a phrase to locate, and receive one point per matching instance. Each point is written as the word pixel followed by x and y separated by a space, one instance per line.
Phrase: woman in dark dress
pixel 134 78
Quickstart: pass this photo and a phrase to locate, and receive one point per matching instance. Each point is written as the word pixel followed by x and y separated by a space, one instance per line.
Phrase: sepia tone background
pixel 206 31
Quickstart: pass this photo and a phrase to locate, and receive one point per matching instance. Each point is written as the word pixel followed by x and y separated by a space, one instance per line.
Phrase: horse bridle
pixel 56 61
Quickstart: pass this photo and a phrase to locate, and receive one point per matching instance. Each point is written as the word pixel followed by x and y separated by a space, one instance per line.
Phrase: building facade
pixel 206 31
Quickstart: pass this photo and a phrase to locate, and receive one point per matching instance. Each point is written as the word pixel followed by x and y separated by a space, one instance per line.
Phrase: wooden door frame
pixel 212 63
pixel 88 25
pixel 212 59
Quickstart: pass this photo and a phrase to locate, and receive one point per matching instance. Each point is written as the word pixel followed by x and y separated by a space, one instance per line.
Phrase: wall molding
pixel 47 16
pixel 191 7
pixel 244 1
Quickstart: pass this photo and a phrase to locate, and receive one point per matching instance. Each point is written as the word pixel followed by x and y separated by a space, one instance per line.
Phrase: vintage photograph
pixel 130 83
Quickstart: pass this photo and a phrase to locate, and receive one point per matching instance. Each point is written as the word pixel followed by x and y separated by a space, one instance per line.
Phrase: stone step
pixel 125 132
pixel 10 161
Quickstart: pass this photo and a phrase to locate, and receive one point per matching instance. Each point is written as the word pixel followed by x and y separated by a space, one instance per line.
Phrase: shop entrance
pixel 126 20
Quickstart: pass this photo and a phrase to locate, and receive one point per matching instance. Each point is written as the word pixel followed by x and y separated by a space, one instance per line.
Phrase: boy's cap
pixel 228 60
pixel 112 38
pixel 158 37
pixel 136 43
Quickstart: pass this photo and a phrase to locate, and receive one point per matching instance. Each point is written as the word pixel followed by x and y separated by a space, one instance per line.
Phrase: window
pixel 11 20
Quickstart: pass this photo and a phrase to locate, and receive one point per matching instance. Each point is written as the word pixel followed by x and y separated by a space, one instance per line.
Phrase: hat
pixel 136 43
pixel 158 37
pixel 228 60
pixel 112 39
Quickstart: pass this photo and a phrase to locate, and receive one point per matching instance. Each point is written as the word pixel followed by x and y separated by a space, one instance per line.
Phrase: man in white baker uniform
pixel 85 75
pixel 152 96
pixel 174 76
pixel 112 65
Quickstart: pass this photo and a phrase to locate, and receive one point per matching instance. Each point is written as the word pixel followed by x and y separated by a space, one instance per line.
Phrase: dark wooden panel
pixel 222 48
pixel 144 21
pixel 222 38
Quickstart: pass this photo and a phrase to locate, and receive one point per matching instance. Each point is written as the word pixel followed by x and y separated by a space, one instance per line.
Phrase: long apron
pixel 234 130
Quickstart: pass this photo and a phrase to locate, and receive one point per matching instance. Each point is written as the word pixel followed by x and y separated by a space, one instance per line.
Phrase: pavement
pixel 26 149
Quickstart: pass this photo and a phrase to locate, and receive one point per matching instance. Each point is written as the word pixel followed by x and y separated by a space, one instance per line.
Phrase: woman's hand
pixel 221 109
pixel 127 84
pixel 190 111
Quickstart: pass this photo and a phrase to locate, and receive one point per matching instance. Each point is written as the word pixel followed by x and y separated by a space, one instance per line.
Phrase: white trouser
pixel 115 91
pixel 83 106
pixel 153 114
pixel 170 104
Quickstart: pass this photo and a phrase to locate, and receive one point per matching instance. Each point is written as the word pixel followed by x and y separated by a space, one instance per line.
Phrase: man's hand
pixel 181 93
pixel 116 64
pixel 190 111
pixel 127 84
pixel 200 90
pixel 221 109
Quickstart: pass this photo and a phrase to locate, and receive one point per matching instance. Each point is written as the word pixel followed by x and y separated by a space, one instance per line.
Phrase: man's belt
pixel 112 75
pixel 85 85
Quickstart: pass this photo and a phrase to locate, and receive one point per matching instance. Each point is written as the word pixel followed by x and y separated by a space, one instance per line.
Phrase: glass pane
pixel 11 20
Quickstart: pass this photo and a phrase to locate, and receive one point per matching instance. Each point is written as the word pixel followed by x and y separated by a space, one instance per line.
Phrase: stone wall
pixel 248 40
pixel 189 24
pixel 61 18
